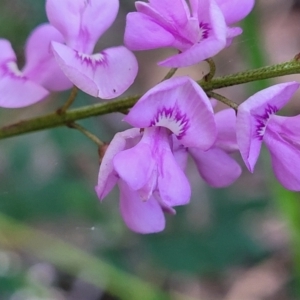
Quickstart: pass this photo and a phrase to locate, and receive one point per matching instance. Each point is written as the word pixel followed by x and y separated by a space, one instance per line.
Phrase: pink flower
pixel 40 73
pixel 174 118
pixel 106 74
pixel 180 105
pixel 148 176
pixel 257 123
pixel 198 31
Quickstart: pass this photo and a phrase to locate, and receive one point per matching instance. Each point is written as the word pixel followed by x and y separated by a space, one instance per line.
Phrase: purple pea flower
pixel 180 105
pixel 150 181
pixel 198 30
pixel 106 74
pixel 175 118
pixel 40 74
pixel 257 123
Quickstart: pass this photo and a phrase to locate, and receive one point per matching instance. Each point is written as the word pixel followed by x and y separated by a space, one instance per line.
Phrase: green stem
pixel 223 99
pixel 170 74
pixel 212 70
pixel 69 102
pixel 55 120
pixel 287 68
pixel 87 133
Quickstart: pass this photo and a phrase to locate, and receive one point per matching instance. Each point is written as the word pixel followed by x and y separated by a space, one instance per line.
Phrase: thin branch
pixel 287 68
pixel 223 99
pixel 53 120
pixel 69 102
pixel 170 74
pixel 212 70
pixel 87 133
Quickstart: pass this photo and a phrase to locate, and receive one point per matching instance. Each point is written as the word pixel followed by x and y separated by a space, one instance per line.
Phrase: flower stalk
pixel 212 70
pixel 69 102
pixel 223 99
pixel 54 119
pixel 87 133
pixel 170 74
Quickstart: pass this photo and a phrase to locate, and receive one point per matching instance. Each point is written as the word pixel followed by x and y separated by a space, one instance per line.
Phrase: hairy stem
pixel 55 119
pixel 287 68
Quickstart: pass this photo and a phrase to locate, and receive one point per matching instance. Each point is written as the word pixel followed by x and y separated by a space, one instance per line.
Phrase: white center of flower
pixel 171 119
pixel 91 59
pixel 13 69
pixel 204 30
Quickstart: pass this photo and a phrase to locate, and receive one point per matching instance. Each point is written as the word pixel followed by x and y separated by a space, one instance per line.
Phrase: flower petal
pixel 140 216
pixel 17 91
pixel 180 153
pixel 160 26
pixel 154 35
pixel 198 34
pixel 253 115
pixel 276 96
pixel 176 15
pixel 98 16
pixel 107 177
pixel 41 65
pixel 208 13
pixel 195 54
pixel 226 130
pixel 231 34
pixel 82 22
pixel 216 167
pixel 235 10
pixel 6 52
pixel 65 16
pixel 285 160
pixel 249 143
pixel 287 127
pixel 180 105
pixel 136 165
pixel 106 75
pixel 173 185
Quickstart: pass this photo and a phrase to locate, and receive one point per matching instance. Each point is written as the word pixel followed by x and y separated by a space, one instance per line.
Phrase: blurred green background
pixel 240 242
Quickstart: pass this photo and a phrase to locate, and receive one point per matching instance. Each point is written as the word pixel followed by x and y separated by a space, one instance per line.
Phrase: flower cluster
pixel 198 29
pixel 40 74
pixel 175 119
pixel 172 120
pixel 59 54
